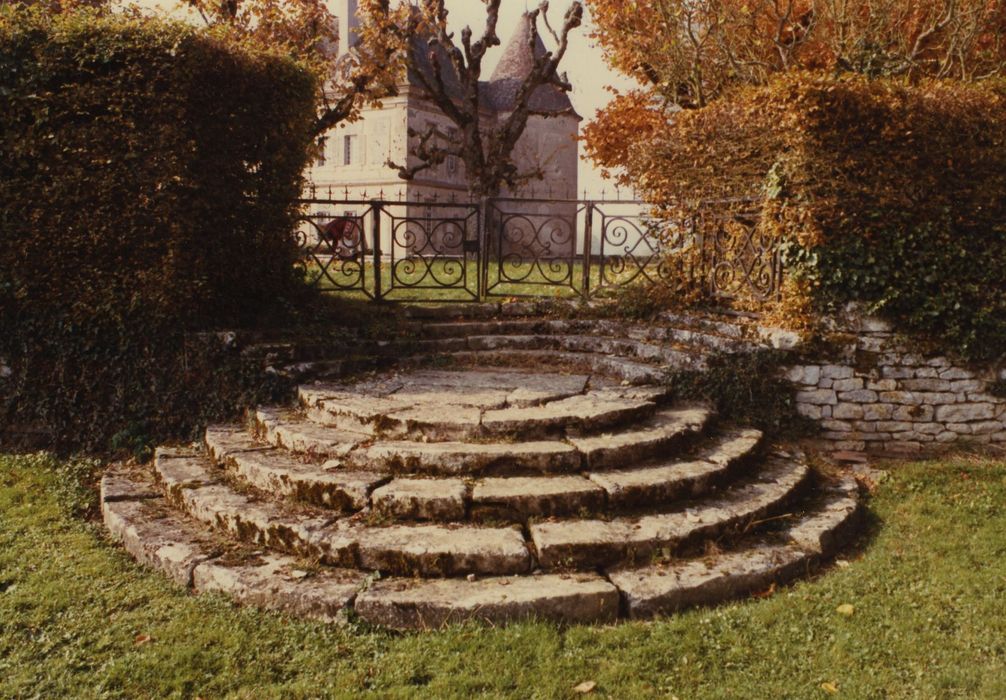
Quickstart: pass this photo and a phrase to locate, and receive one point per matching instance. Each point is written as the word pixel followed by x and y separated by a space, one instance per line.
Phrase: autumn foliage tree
pixel 867 134
pixel 688 53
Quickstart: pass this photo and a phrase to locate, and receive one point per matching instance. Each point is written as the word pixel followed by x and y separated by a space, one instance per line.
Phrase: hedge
pixel 882 193
pixel 148 177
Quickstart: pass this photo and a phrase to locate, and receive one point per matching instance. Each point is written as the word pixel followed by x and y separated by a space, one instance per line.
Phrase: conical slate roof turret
pixel 514 66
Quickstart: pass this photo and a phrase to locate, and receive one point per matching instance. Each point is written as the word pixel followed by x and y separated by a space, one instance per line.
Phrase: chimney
pixel 349 25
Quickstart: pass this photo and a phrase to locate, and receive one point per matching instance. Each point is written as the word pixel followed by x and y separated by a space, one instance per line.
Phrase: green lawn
pixel 78 619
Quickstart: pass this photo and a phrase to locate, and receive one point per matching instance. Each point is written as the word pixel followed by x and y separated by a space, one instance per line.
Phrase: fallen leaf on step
pixel 830 688
pixel 141 639
pixel 585 687
pixel 845 609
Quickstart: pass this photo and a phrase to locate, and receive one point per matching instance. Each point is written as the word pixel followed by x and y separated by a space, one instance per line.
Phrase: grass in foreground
pixel 79 619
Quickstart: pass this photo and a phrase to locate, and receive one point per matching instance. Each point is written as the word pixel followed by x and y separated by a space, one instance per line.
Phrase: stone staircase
pixel 506 469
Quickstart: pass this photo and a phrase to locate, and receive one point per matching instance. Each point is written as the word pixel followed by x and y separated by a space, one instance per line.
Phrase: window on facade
pixel 322 145
pixel 452 161
pixel 348 149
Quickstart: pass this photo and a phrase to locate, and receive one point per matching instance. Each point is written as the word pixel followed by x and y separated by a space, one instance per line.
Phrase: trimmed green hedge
pixel 888 194
pixel 148 178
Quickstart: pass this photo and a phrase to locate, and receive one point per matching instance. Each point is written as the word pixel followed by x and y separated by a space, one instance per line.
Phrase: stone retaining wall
pixel 879 396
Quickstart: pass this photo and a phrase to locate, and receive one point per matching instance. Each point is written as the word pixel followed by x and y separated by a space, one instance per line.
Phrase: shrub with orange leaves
pixel 687 54
pixel 874 131
pixel 879 192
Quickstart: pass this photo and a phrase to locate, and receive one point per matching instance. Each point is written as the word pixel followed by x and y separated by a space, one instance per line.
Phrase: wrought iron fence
pixel 469 251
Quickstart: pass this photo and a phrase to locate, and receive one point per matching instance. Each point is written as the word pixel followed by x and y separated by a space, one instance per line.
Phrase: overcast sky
pixel 587 71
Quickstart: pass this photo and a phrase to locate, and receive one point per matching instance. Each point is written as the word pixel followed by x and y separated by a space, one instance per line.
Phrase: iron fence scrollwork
pixel 451 251
pixel 333 248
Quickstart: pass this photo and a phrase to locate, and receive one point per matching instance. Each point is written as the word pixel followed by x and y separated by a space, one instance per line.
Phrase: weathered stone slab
pixel 177 473
pixel 471 397
pixel 659 436
pixel 422 499
pixel 579 598
pixel 512 342
pixel 832 523
pixel 257 522
pixel 121 485
pixel 661 483
pixel 547 383
pixel 654 394
pixel 657 484
pixel 351 411
pixel 275 582
pixel 435 420
pixel 260 522
pixel 664 589
pixel 963 413
pixel 588 412
pixel 523 497
pixel 222 441
pixel 639 372
pixel 586 543
pixel 617 347
pixel 457 458
pixel 581 544
pixel 732 447
pixel 284 428
pixel 157 538
pixel 711 341
pixel 436 550
pixel 279 473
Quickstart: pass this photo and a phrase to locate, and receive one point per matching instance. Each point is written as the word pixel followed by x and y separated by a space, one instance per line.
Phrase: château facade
pixel 355 156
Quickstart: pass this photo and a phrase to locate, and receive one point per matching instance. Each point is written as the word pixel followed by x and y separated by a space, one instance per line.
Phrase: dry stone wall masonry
pixel 881 396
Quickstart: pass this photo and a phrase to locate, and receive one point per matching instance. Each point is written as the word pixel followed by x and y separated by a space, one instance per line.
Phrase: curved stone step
pixel 282 584
pixel 610 347
pixel 719 326
pixel 515 498
pixel 158 537
pixel 571 599
pixel 447 416
pixel 811 538
pixel 668 480
pixel 464 458
pixel 666 431
pixel 442 500
pixel 584 544
pixel 137 516
pixel 198 557
pixel 661 435
pixel 585 413
pixel 505 326
pixel 710 336
pixel 631 371
pixel 284 427
pixel 279 473
pixel 428 550
pixel 520 498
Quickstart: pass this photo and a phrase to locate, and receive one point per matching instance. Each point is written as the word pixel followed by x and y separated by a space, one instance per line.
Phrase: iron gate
pixel 452 251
